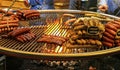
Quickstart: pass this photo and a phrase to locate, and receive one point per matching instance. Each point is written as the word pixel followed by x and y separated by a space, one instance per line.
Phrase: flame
pixel 54 28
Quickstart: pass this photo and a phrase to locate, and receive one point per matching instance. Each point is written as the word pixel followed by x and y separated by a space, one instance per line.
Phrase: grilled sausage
pixel 32 15
pixel 108 44
pixel 27 36
pixel 79 42
pixel 108 39
pixel 112 32
pixel 9 19
pixel 21 38
pixel 99 43
pixel 27 12
pixel 8 25
pixel 77 24
pixel 50 40
pixel 79 27
pixel 92 42
pixel 74 37
pixel 79 32
pixel 31 12
pixel 83 41
pixel 9 22
pixel 52 36
pixel 110 26
pixel 108 35
pixel 7 29
pixel 84 32
pixel 68 15
pixel 31 34
pixel 71 41
pixel 116 22
pixel 70 21
pixel 117 25
pixel 18 32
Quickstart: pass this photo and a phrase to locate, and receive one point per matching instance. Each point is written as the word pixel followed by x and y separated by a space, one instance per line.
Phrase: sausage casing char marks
pixel 52 39
pixel 22 34
pixel 28 14
pixel 25 37
pixel 18 32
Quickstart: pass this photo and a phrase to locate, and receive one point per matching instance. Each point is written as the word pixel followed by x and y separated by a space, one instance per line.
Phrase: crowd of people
pixel 107 6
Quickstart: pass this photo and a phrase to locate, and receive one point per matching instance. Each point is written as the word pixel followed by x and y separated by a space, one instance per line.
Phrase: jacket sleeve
pixel 102 2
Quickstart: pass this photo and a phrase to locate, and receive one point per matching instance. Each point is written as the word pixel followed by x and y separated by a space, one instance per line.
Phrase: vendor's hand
pixel 103 8
pixel 26 3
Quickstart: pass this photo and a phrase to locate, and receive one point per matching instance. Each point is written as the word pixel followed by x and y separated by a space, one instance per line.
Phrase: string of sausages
pixel 80 36
pixel 109 36
pixel 8 23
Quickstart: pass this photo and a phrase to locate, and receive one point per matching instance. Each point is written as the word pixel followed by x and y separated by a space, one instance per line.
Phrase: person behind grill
pixel 75 4
pixel 110 6
pixel 90 5
pixel 39 4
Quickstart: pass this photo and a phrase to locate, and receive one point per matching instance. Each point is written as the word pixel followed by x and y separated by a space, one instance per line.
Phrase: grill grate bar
pixel 32 43
pixel 8 43
pixel 19 47
pixel 2 42
pixel 14 45
pixel 37 48
pixel 38 33
pixel 30 46
pixel 56 30
pixel 50 26
pixel 53 28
